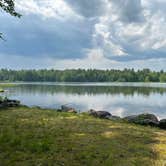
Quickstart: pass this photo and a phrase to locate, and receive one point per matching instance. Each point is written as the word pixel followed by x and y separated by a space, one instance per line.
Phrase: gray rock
pixel 9 103
pixel 162 124
pixel 72 111
pixel 143 119
pixel 67 109
pixel 100 114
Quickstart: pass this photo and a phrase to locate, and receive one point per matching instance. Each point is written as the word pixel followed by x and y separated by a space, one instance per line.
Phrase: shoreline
pixel 34 136
pixel 106 84
pixel 145 119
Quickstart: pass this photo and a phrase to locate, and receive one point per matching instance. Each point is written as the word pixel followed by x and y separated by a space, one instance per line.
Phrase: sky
pixel 101 34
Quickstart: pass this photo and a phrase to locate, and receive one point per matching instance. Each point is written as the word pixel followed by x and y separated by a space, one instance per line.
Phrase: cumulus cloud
pixel 88 8
pixel 126 10
pixel 132 30
pixel 45 37
pixel 46 8
pixel 88 30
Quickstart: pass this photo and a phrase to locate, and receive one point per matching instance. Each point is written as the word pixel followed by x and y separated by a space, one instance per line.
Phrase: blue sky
pixel 101 34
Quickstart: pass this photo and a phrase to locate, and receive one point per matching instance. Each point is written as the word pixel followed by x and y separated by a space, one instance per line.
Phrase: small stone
pixel 100 114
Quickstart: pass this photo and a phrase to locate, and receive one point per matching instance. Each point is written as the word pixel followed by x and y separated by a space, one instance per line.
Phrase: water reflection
pixel 119 100
pixel 91 90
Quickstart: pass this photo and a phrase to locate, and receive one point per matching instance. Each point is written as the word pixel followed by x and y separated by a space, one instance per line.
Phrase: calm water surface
pixel 120 99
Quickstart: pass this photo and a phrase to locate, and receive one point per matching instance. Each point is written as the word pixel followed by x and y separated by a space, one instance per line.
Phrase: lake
pixel 121 99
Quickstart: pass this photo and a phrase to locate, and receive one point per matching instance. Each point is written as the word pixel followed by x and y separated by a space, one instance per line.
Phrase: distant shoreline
pixel 82 75
pixel 133 84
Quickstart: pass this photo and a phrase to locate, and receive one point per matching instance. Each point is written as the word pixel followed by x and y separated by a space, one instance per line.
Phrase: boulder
pixel 100 114
pixel 72 111
pixel 13 103
pixel 143 119
pixel 67 109
pixel 9 103
pixel 162 124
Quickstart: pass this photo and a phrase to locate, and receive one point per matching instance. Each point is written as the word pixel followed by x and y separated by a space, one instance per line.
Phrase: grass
pixel 5 85
pixel 31 136
pixel 1 90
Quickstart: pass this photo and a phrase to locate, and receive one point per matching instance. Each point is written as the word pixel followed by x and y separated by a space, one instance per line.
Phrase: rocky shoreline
pixel 141 119
pixel 9 103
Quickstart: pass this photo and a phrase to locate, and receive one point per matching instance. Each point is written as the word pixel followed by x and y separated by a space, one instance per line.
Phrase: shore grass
pixel 1 90
pixel 32 136
pixel 4 85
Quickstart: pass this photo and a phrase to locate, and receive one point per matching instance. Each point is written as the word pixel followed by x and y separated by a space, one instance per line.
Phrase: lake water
pixel 120 99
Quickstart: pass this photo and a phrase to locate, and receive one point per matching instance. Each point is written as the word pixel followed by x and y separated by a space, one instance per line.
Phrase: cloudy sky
pixel 101 34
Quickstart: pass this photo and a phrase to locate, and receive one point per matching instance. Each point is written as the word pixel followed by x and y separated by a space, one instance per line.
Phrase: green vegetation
pixel 9 7
pixel 2 99
pixel 81 75
pixel 44 137
pixel 1 90
pixel 5 85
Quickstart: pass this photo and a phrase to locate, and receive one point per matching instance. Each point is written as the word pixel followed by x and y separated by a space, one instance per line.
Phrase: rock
pixel 13 103
pixel 162 124
pixel 72 111
pixel 92 112
pixel 100 114
pixel 143 119
pixel 67 109
pixel 9 103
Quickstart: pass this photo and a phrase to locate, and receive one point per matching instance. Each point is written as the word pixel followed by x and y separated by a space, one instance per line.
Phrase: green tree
pixel 81 75
pixel 163 77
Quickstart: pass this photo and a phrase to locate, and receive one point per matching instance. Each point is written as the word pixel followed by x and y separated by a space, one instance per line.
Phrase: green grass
pixel 6 85
pixel 43 137
pixel 1 90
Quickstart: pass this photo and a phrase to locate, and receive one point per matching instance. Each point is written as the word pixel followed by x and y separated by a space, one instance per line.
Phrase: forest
pixel 82 75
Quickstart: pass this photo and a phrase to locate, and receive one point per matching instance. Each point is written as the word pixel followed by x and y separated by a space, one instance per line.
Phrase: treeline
pixel 81 75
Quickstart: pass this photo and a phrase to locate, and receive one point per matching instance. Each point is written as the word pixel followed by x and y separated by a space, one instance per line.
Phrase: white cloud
pixel 114 32
pixel 132 28
pixel 46 8
pixel 123 29
pixel 94 60
pixel 88 8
